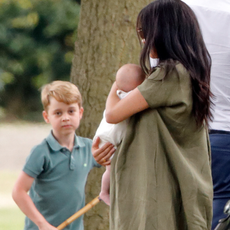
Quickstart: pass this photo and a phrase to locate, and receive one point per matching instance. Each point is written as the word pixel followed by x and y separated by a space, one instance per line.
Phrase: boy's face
pixel 64 118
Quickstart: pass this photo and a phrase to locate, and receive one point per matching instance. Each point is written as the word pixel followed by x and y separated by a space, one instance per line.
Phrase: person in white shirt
pixel 128 77
pixel 214 19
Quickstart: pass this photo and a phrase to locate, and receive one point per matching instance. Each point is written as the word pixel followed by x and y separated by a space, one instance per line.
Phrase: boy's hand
pixel 25 203
pixel 47 226
pixel 102 155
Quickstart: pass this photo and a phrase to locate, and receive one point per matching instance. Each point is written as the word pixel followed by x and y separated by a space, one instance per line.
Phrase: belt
pixel 213 131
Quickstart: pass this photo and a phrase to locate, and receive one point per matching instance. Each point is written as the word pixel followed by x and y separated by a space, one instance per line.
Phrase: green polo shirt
pixel 60 176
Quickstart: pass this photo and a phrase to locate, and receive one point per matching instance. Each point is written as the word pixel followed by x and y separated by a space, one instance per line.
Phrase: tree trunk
pixel 106 40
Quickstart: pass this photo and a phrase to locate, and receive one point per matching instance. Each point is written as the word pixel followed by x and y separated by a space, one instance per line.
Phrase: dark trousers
pixel 220 147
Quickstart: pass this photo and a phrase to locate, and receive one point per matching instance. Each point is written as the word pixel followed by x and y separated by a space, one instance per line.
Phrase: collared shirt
pixel 214 20
pixel 60 176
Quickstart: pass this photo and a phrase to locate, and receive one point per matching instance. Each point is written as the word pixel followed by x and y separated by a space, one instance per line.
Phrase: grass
pixel 11 218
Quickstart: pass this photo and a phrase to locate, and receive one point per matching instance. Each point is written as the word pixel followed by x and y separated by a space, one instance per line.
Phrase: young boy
pixel 128 77
pixel 56 170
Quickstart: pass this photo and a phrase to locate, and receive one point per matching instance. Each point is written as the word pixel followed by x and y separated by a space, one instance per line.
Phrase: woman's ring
pixel 104 160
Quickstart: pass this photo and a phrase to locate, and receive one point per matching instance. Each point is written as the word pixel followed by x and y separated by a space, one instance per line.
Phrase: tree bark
pixel 106 40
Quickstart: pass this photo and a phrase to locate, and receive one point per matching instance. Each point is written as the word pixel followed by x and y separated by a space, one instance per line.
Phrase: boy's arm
pixel 25 203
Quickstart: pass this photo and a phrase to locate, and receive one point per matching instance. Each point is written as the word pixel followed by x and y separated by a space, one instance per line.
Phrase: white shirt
pixel 214 19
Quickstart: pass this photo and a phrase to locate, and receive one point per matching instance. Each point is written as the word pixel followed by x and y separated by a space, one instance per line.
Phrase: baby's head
pixel 129 76
pixel 62 91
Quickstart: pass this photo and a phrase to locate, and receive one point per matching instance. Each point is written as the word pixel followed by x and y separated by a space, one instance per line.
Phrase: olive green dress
pixel 160 175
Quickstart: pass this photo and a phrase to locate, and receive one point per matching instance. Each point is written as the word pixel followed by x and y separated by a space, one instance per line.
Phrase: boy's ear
pixel 45 116
pixel 81 112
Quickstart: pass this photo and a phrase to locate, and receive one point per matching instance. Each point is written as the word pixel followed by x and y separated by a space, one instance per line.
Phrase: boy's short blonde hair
pixel 62 91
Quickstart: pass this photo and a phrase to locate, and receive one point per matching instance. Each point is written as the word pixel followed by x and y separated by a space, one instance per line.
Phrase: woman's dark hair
pixel 171 29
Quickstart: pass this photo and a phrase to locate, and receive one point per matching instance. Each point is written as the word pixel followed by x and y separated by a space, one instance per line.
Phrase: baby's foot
pixel 105 197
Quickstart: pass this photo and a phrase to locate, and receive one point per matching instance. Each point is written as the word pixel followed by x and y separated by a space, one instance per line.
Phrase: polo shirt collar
pixel 53 143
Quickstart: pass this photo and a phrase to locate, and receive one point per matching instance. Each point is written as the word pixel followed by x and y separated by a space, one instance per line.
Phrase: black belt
pixel 213 131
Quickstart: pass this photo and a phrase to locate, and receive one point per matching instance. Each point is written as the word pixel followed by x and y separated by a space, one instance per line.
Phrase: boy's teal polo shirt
pixel 60 176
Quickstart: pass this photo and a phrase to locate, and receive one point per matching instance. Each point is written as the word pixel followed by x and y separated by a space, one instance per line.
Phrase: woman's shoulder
pixel 164 71
pixel 181 70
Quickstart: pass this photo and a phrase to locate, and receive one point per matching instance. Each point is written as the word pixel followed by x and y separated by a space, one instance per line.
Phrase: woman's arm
pixel 118 110
pixel 25 203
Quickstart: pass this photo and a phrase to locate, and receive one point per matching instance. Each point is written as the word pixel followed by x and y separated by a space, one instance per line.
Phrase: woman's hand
pixel 102 155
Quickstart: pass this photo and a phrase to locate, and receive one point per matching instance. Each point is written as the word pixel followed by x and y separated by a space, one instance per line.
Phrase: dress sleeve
pixel 161 91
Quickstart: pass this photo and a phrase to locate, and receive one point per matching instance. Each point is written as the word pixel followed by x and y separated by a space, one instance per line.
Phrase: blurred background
pixel 36 46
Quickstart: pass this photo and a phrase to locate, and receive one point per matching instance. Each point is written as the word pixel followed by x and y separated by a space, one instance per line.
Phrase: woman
pixel 160 174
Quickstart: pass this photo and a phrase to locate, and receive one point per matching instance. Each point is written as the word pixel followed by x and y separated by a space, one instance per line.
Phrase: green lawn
pixel 11 218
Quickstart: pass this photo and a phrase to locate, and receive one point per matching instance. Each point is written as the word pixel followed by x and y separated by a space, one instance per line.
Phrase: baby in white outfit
pixel 128 77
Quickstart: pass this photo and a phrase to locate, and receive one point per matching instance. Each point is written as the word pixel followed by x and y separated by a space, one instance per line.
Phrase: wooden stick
pixel 79 213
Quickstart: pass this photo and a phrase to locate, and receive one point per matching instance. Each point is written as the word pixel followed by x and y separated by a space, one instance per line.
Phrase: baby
pixel 128 77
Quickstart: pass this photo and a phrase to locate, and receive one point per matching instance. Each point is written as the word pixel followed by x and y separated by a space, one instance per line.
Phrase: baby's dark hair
pixel 170 28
